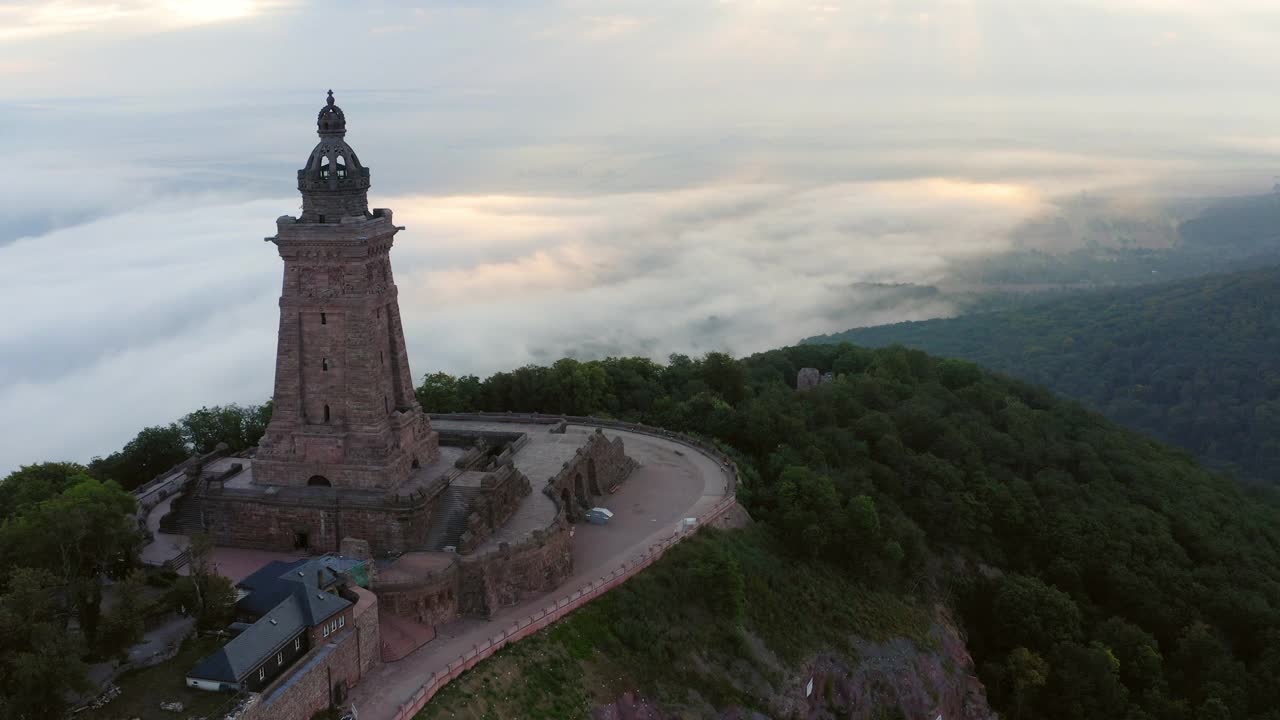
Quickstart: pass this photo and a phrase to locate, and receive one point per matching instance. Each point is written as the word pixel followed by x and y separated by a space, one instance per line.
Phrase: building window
pixel 321 218
pixel 279 658
pixel 324 320
pixel 379 311
pixel 324 364
pixel 386 406
pixel 326 413
pixel 326 631
pixel 342 621
pixel 262 673
pixel 297 643
pixel 382 359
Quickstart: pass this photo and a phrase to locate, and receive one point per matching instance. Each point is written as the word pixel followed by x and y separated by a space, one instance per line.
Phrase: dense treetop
pixel 1195 362
pixel 1100 574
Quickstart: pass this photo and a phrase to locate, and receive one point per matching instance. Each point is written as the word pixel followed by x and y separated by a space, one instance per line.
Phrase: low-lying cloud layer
pixel 577 178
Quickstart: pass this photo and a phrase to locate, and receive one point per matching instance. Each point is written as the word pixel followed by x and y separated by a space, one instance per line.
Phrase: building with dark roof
pixel 290 607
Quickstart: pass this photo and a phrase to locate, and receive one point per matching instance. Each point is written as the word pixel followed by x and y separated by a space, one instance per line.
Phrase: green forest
pixel 1195 362
pixel 1123 581
pixel 69 540
pixel 1098 573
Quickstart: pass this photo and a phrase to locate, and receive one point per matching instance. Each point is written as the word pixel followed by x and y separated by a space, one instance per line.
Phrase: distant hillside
pixel 1088 244
pixel 1194 362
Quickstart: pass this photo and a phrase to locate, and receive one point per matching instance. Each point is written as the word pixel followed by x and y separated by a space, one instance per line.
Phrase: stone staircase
pixel 449 517
pixel 184 517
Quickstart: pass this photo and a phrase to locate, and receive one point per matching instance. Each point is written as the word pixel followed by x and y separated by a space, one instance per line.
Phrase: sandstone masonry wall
pixel 596 466
pixel 251 520
pixel 500 494
pixel 514 573
pixel 430 601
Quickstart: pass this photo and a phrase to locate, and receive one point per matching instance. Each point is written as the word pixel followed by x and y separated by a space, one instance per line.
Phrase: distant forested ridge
pixel 1194 362
pixel 1085 246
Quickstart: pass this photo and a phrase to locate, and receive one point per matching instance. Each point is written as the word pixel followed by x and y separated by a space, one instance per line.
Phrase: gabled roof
pixel 215 667
pixel 277 580
pixel 289 597
pixel 235 661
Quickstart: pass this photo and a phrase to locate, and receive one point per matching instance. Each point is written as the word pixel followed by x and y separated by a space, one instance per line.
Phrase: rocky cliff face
pixel 889 679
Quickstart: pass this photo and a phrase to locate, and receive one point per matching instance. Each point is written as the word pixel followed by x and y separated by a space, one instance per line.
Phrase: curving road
pixel 673 481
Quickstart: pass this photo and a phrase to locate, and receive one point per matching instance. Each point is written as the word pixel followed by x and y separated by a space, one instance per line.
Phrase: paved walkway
pixel 673 481
pixel 163 546
pixel 233 563
pixel 401 636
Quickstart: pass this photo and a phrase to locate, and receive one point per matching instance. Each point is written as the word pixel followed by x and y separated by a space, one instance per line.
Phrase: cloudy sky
pixel 577 177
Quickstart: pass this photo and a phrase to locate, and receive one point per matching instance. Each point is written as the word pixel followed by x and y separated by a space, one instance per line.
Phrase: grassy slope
pixel 662 634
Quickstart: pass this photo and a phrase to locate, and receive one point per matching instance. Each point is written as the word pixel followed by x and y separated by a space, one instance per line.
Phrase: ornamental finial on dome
pixel 331 122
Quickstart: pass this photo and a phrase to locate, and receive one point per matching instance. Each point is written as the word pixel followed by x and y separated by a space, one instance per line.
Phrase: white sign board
pixel 808 689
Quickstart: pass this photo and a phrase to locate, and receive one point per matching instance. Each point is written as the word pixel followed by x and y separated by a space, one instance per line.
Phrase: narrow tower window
pixel 326 413
pixel 386 407
pixel 324 364
pixel 324 320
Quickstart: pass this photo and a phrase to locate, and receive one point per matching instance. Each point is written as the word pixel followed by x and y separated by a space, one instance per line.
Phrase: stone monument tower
pixel 345 413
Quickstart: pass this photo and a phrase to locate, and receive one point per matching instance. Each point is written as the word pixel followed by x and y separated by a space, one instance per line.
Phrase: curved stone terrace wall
pixel 556 609
pixel 591 421
pixel 553 611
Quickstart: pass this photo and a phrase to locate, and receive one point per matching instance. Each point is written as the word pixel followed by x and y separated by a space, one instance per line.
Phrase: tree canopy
pixel 156 449
pixel 57 549
pixel 1099 573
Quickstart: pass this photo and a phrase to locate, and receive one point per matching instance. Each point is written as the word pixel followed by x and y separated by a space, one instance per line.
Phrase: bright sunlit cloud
pixel 23 20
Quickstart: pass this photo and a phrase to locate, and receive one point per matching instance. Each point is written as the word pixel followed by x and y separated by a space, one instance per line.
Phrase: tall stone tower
pixel 345 413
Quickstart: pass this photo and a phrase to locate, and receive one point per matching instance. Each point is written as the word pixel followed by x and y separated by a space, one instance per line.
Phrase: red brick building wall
pixel 337 624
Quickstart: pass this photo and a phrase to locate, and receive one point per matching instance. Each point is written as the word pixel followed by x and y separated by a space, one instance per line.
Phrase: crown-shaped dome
pixel 331 121
pixel 333 183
